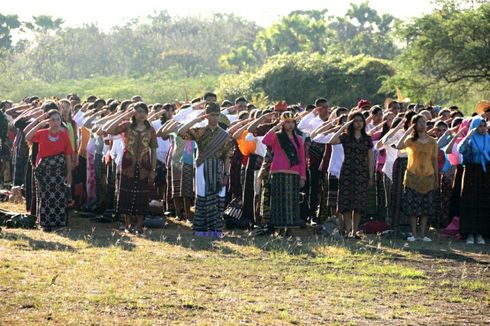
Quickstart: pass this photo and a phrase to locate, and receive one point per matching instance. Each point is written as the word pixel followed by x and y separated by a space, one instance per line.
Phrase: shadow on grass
pixel 36 244
pixel 302 242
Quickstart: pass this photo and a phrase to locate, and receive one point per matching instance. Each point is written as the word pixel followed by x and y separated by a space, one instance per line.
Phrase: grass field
pixel 93 274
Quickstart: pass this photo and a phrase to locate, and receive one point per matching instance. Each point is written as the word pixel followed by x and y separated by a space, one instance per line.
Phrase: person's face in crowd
pixel 213 119
pixel 395 108
pixel 426 114
pixel 486 116
pixel 343 119
pixel 358 123
pixel 55 121
pixel 210 99
pixel 242 106
pixel 244 117
pixel 390 116
pixel 440 130
pixel 65 110
pixel 140 114
pixel 482 128
pixel 272 118
pixel 378 117
pixel 169 114
pixel 446 115
pixel 289 125
pixel 421 125
pixel 323 111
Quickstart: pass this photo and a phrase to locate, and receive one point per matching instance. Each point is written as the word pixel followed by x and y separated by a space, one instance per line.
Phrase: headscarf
pixel 480 144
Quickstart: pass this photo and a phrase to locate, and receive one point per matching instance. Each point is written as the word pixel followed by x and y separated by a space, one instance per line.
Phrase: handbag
pixel 233 215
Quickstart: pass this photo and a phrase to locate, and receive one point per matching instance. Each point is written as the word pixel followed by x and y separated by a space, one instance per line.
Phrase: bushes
pixel 153 89
pixel 303 78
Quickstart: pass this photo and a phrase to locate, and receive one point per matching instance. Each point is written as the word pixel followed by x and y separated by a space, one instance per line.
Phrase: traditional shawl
pixel 214 145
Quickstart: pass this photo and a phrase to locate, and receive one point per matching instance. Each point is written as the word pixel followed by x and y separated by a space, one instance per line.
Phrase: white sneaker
pixel 426 239
pixel 411 238
pixel 470 240
pixel 480 240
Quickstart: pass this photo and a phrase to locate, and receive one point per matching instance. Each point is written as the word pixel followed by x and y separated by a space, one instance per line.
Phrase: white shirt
pixel 309 123
pixel 260 148
pixel 163 145
pixel 392 153
pixel 79 119
pixel 337 156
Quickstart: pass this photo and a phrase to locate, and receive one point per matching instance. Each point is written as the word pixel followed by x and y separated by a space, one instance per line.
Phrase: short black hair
pixel 209 94
pixel 99 103
pixel 226 104
pixel 321 100
pixel 49 105
pixel 310 107
pixel 240 99
pixel 91 98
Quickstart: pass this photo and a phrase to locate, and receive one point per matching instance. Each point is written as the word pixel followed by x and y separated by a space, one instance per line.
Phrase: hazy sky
pixel 107 13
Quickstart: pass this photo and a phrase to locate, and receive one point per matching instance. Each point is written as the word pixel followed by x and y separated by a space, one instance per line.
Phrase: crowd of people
pixel 405 165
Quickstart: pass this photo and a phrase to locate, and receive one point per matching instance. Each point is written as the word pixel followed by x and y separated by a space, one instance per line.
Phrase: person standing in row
pixel 288 172
pixel 475 192
pixel 52 171
pixel 138 167
pixel 357 172
pixel 421 176
pixel 212 170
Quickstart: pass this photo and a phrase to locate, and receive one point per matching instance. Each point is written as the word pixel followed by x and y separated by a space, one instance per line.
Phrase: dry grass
pixel 93 274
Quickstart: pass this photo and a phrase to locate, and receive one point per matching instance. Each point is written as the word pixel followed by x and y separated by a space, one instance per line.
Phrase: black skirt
pixel 475 200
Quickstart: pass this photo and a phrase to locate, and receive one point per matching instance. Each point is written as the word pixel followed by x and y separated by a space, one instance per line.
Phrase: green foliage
pixel 447 57
pixel 294 33
pixel 361 31
pixel 441 57
pixel 142 46
pixel 161 89
pixel 450 45
pixel 8 23
pixel 302 78
pixel 238 59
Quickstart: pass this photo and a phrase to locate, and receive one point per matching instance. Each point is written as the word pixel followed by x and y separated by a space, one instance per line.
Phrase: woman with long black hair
pixel 288 172
pixel 421 177
pixel 357 172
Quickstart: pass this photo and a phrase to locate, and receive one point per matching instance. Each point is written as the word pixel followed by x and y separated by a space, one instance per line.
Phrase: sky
pixel 107 13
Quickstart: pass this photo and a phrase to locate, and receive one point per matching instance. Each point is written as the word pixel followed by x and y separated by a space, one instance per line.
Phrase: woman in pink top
pixel 288 172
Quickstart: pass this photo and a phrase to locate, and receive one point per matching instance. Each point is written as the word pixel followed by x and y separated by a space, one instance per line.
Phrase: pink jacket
pixel 280 162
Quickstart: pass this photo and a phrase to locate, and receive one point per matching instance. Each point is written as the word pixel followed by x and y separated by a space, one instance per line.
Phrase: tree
pixel 450 45
pixel 8 23
pixel 45 23
pixel 302 77
pixel 299 31
pixel 238 59
pixel 363 31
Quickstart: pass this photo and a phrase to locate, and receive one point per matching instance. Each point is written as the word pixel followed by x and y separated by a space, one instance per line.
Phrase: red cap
pixel 363 103
pixel 280 106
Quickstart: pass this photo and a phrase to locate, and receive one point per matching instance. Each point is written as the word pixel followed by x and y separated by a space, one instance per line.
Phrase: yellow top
pixel 420 168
